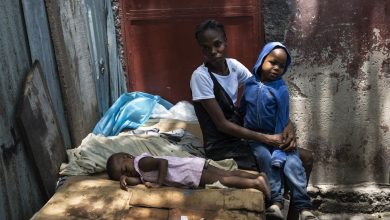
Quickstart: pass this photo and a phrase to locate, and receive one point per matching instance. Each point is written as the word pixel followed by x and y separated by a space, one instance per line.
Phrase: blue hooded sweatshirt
pixel 266 105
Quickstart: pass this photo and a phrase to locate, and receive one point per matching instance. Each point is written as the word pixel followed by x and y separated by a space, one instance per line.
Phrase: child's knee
pixel 262 153
pixel 293 164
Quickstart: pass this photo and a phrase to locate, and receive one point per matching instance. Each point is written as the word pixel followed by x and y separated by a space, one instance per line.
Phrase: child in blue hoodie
pixel 266 106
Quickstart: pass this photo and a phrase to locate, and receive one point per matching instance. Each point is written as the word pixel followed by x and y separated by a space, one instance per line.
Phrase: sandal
pixel 307 215
pixel 273 213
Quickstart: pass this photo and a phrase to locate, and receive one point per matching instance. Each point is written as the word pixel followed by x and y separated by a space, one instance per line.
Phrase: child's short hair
pixel 111 163
pixel 209 24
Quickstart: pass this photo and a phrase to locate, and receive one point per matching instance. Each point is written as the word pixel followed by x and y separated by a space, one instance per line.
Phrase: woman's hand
pixel 275 140
pixel 289 138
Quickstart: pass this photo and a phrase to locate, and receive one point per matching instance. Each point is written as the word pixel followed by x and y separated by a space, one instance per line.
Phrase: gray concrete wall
pixel 339 83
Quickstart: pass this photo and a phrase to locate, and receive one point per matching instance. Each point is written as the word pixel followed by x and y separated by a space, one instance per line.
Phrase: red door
pixel 160 48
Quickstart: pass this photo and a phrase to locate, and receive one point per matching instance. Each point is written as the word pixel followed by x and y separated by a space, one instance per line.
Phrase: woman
pixel 214 86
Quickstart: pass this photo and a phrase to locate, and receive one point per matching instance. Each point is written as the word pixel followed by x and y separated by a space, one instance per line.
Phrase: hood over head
pixel 264 52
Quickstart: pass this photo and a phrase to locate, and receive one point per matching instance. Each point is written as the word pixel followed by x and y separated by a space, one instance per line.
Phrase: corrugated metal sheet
pixel 20 194
pixel 79 31
pixel 24 37
pixel 41 49
pixel 107 69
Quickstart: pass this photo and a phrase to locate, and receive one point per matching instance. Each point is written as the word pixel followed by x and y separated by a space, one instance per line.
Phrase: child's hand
pixel 122 182
pixel 126 181
pixel 152 185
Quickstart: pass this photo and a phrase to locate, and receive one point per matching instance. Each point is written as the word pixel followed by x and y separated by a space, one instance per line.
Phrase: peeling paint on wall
pixel 339 85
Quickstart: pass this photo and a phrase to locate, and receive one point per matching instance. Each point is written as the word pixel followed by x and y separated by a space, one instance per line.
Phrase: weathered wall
pixel 37 28
pixel 25 37
pixel 91 75
pixel 339 83
pixel 20 194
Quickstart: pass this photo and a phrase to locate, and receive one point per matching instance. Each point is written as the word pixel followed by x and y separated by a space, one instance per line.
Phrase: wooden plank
pixel 38 122
pixel 41 49
pixel 73 55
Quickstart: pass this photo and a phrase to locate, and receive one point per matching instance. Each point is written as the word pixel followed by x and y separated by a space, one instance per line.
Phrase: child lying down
pixel 173 171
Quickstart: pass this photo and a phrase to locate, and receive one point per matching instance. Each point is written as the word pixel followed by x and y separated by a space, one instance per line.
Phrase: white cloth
pixel 202 85
pixel 183 111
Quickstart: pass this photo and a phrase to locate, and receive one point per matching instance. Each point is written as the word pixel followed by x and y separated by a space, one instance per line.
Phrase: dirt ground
pixel 345 216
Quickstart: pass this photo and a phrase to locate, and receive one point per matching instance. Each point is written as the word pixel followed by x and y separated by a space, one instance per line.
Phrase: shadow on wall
pixel 338 86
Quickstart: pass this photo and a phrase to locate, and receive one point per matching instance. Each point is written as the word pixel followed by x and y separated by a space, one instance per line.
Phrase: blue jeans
pixel 292 170
pixel 278 157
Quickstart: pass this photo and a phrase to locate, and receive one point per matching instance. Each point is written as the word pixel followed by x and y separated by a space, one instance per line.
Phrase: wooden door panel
pixel 160 47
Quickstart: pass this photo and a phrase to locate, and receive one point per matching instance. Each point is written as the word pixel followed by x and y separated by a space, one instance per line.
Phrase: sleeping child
pixel 188 172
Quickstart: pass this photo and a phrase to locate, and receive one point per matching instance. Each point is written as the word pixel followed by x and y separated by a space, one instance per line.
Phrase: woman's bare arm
pixel 214 110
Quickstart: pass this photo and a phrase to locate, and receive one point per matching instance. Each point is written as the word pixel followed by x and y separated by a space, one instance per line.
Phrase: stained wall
pixel 339 83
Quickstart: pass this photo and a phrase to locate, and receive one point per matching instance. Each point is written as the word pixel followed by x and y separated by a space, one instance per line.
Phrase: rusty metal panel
pixel 160 47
